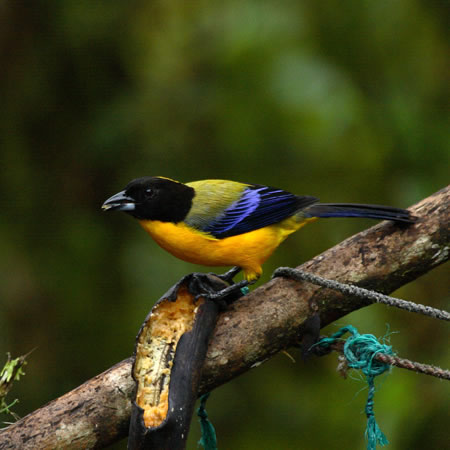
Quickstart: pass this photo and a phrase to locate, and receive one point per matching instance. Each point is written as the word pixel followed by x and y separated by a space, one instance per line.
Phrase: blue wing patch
pixel 258 207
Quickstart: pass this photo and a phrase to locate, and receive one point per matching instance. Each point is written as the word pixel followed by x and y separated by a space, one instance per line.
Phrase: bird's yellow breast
pixel 248 250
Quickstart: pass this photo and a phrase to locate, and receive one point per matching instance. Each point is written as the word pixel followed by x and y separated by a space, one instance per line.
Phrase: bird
pixel 228 223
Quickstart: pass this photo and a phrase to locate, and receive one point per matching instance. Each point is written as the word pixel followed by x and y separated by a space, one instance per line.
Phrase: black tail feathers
pixel 359 210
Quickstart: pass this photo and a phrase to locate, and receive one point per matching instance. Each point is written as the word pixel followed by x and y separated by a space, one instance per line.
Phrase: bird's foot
pixel 231 292
pixel 229 275
pixel 211 287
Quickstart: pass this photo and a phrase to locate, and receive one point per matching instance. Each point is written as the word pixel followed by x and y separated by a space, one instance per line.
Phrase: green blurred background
pixel 346 100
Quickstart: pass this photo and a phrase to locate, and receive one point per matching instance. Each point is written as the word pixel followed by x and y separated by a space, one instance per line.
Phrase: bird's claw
pixel 230 293
pixel 229 275
pixel 225 296
pixel 208 286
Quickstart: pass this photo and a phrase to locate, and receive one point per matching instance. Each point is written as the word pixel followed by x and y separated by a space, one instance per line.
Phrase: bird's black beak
pixel 119 202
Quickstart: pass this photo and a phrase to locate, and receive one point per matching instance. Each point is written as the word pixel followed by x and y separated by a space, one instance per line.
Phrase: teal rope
pixel 208 440
pixel 245 290
pixel 359 351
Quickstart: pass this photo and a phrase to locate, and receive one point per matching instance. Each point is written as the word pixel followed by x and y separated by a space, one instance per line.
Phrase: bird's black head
pixel 153 198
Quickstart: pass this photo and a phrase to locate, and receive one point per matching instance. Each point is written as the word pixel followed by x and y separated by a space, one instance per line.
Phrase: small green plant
pixel 12 371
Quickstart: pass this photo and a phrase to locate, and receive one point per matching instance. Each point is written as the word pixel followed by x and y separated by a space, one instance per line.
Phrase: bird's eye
pixel 148 192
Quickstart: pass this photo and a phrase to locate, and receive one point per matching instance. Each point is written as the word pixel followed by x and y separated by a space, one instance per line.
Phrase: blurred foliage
pixel 344 100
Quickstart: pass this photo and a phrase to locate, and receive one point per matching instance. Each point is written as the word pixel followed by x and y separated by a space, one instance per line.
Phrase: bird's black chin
pixel 119 202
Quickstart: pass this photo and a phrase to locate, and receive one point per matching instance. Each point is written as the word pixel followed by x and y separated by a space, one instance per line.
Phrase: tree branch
pixel 253 329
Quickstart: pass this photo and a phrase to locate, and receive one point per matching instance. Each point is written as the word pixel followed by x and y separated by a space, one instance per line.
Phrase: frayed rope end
pixel 359 351
pixel 209 439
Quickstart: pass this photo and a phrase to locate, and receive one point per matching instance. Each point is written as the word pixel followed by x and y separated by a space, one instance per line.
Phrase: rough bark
pixel 253 329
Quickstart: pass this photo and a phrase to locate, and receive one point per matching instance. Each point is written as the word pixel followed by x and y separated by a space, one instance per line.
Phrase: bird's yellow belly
pixel 248 250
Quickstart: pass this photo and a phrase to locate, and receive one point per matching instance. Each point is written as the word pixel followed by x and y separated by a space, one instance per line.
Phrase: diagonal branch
pixel 254 328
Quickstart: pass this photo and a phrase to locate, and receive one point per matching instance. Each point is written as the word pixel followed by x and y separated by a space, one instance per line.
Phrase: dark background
pixel 346 100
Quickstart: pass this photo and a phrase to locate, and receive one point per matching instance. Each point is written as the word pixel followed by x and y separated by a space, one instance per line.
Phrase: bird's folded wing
pixel 225 208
